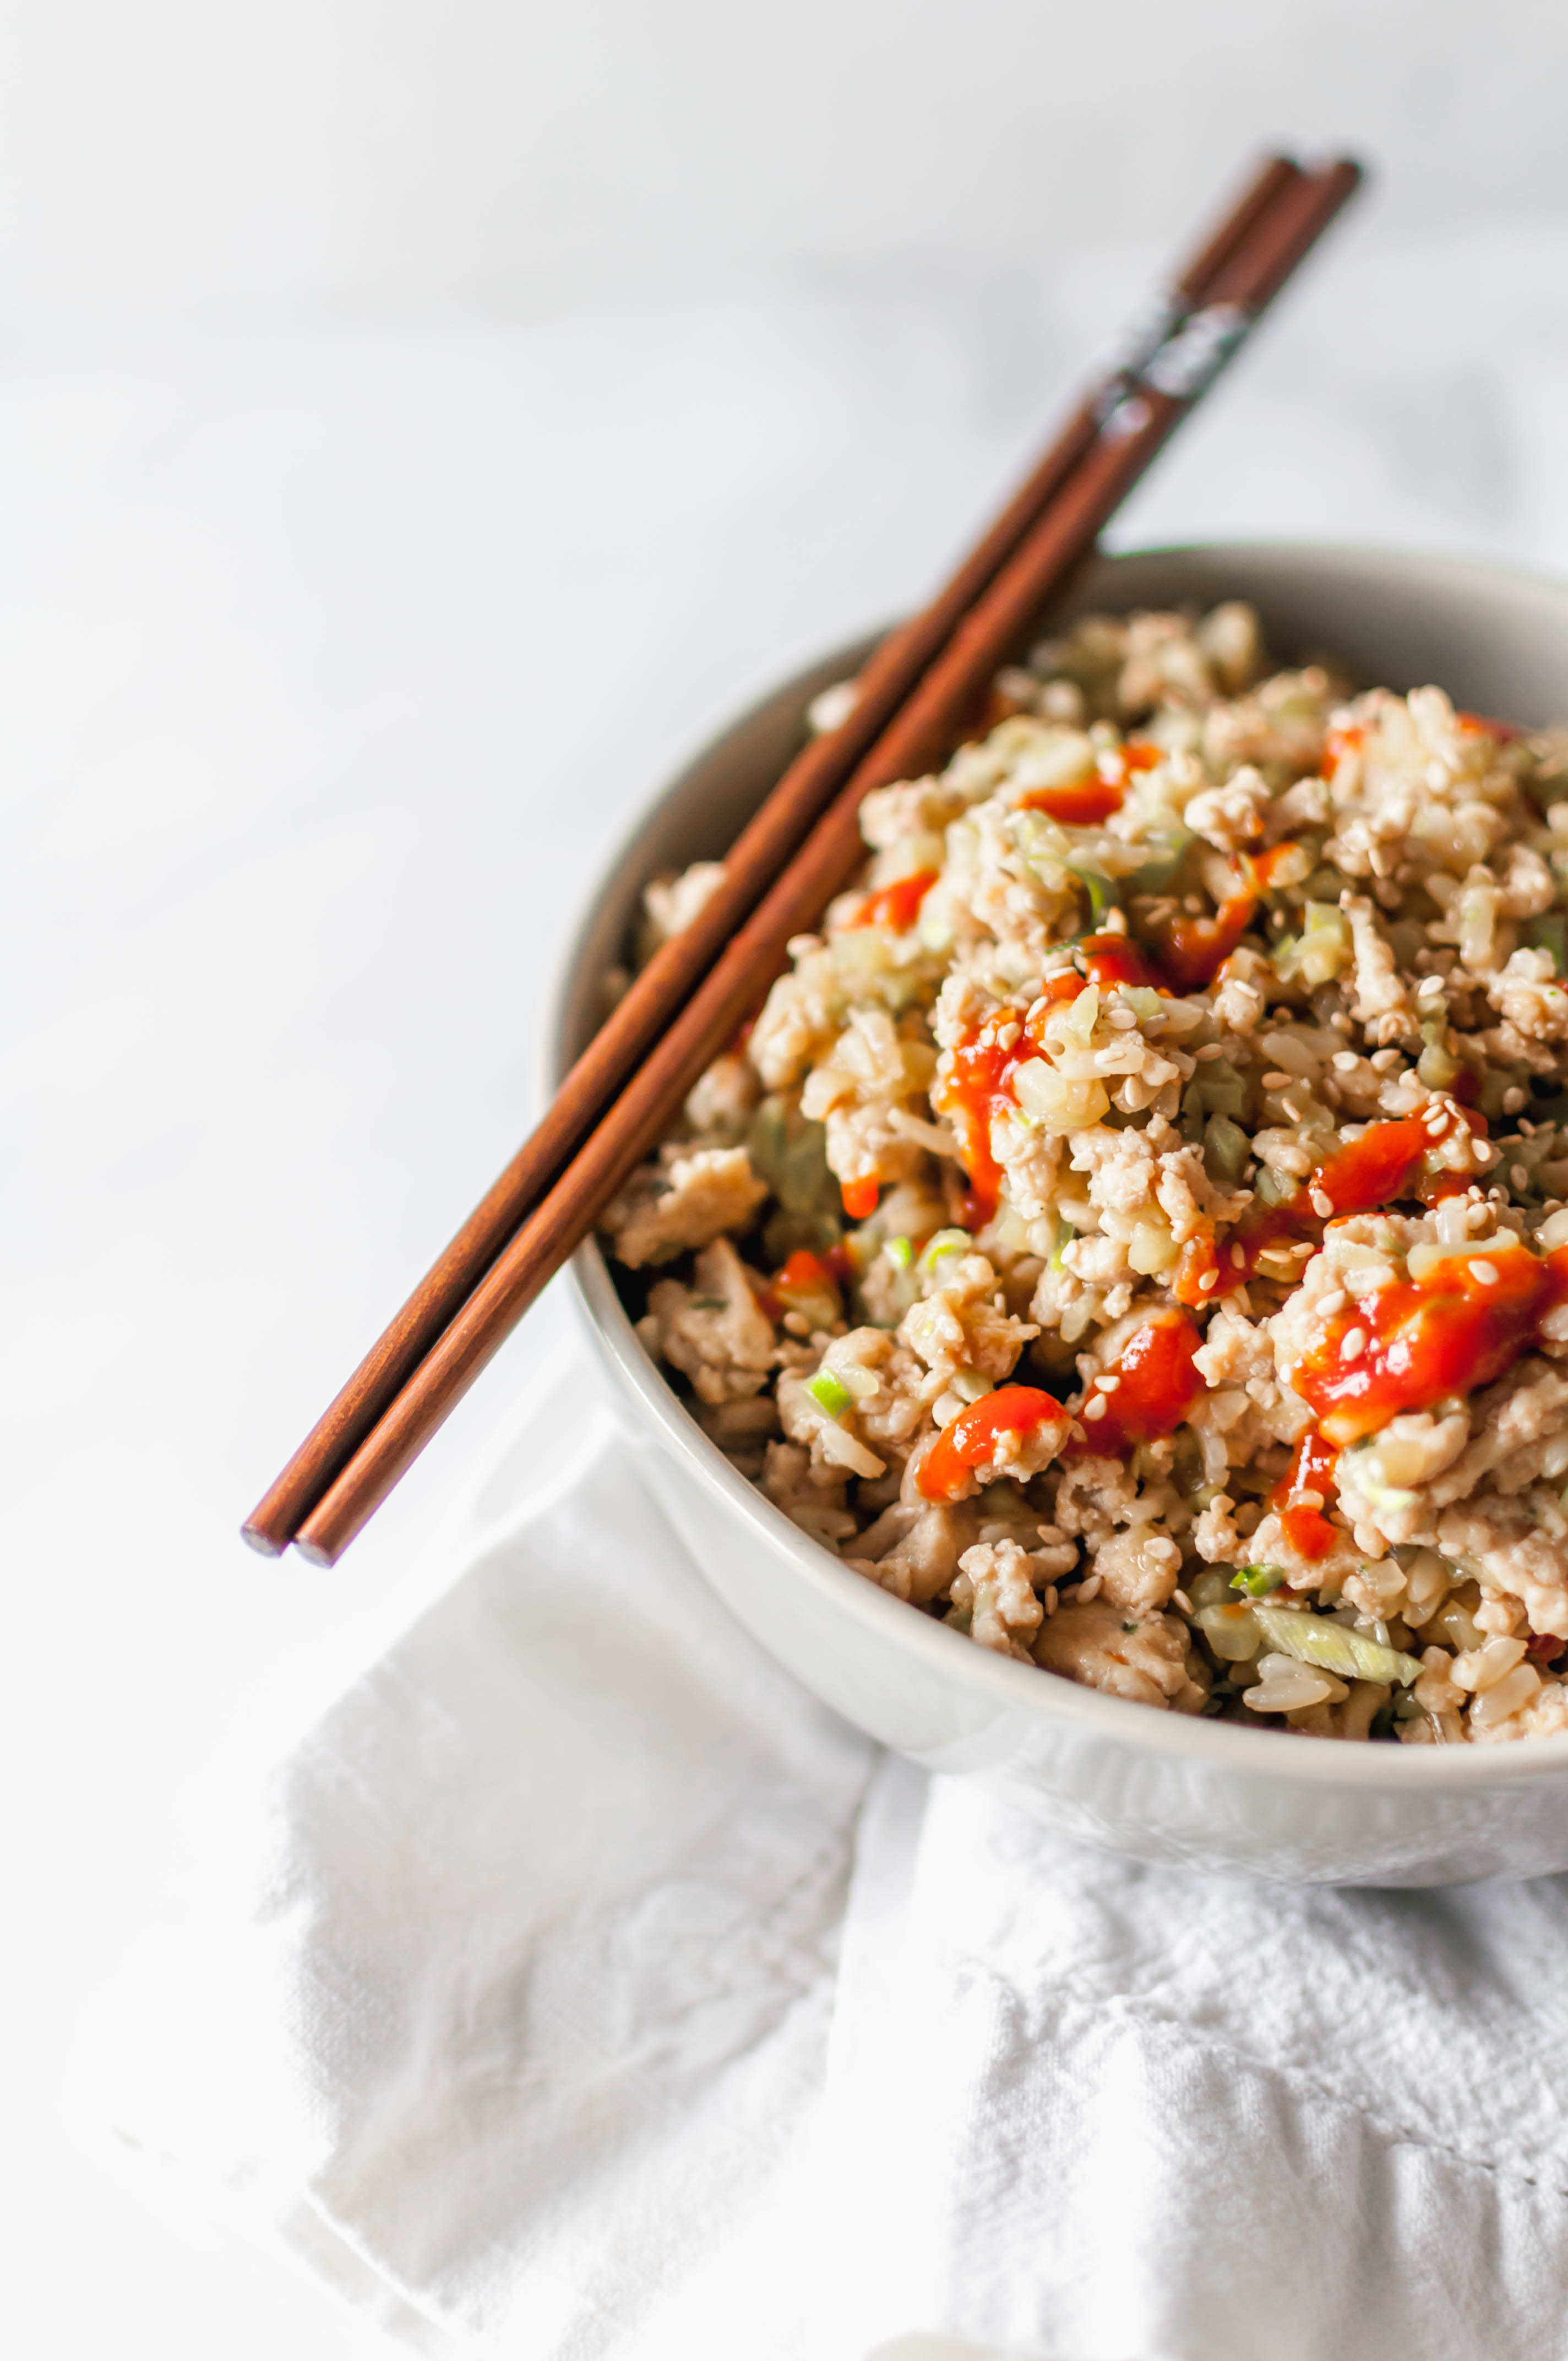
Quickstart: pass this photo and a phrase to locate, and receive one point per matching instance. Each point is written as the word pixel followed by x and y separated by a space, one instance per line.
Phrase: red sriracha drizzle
pixel 896 905
pixel 1410 1343
pixel 1086 802
pixel 1307 1529
pixel 970 1442
pixel 860 1197
pixel 980 1078
pixel 1155 1386
pixel 1191 951
pixel 1379 1169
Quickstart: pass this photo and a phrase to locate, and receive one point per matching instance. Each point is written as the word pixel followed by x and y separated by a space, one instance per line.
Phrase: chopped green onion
pixel 900 1252
pixel 1315 1641
pixel 1102 893
pixel 1068 1234
pixel 1257 1581
pixel 829 1393
pixel 946 1242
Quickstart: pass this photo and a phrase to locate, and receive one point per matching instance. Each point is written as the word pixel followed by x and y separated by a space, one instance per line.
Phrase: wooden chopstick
pixel 1130 431
pixel 752 863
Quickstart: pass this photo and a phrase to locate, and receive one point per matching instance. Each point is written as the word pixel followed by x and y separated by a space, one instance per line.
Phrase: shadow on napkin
pixel 537 1996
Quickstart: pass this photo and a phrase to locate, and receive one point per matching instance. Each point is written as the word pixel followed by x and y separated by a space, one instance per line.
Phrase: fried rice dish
pixel 1135 1231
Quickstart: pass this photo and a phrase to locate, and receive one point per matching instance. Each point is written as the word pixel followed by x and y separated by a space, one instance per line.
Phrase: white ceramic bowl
pixel 1160 1786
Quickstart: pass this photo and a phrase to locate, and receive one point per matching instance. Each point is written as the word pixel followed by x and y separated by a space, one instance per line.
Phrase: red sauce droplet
pixel 1083 804
pixel 1336 746
pixel 970 1442
pixel 1198 1282
pixel 1416 1341
pixel 1112 960
pixel 860 1198
pixel 1265 866
pixel 896 905
pixel 1381 1167
pixel 1307 1529
pixel 1192 949
pixel 976 1077
pixel 1481 725
pixel 1156 1385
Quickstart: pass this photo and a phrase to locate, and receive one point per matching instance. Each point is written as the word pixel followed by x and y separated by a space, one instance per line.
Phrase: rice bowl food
pixel 1132 1231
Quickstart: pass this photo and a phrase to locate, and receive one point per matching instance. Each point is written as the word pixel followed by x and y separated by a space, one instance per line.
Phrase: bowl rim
pixel 1010 1686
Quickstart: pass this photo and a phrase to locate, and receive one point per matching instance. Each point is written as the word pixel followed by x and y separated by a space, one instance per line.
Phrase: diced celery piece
pixel 945 1242
pixel 970 1384
pixel 1218 1089
pixel 1230 1631
pixel 1315 1641
pixel 829 1393
pixel 1226 1148
pixel 1079 1015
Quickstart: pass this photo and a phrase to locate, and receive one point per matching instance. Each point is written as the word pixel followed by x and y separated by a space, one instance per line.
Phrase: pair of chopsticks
pixel 916 694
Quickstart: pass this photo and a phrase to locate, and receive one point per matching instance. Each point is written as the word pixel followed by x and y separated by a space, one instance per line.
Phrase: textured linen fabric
pixel 526 2045
pixel 535 1998
pixel 1098 2109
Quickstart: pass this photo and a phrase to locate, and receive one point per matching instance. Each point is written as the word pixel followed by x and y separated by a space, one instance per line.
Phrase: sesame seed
pixel 1486 1272
pixel 1345 1060
pixel 1512 1101
pixel 1238 1255
pixel 1089 1590
pixel 1180 1598
pixel 1321 1203
pixel 1279 1081
pixel 1123 1018
pixel 1332 1303
pixel 1209 1279
pixel 1109 1384
pixel 1095 1406
pixel 1518 1176
pixel 1210 1049
pixel 1353 1343
pixel 1483 1150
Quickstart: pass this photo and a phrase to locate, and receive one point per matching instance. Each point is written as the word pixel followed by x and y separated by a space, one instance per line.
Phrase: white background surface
pixel 416 429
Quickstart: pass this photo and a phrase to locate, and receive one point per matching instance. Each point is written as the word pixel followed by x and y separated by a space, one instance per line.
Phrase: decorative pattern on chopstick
pixel 1134 427
pixel 752 864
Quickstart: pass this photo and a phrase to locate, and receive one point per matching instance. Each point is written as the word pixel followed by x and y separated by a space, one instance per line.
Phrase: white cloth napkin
pixel 1102 2110
pixel 526 2045
pixel 535 1996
